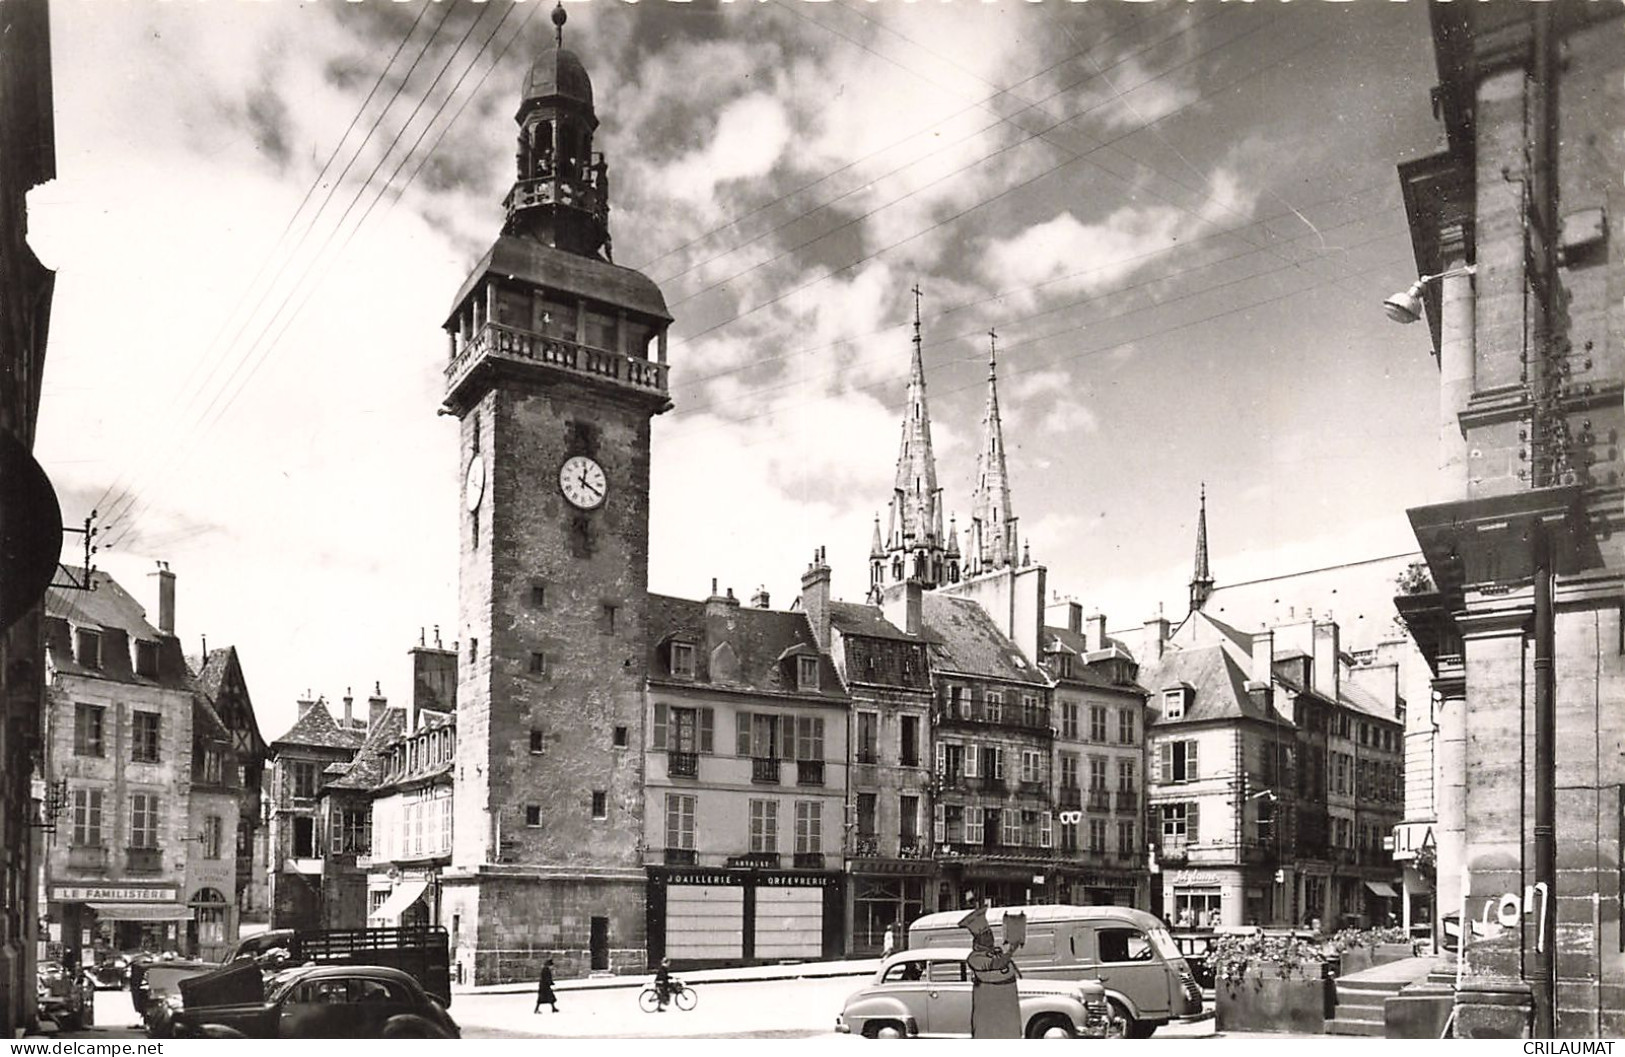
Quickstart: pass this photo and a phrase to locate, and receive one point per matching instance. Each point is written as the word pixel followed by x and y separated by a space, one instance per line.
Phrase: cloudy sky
pixel 1180 217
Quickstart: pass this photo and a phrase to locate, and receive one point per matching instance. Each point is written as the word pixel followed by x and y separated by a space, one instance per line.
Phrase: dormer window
pixel 87 648
pixel 1175 701
pixel 807 672
pixel 682 659
pixel 146 658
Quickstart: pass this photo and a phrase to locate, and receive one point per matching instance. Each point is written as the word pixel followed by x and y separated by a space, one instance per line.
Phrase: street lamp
pixel 1406 306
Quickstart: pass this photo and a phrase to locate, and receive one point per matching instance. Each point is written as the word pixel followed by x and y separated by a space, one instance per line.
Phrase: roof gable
pixel 965 640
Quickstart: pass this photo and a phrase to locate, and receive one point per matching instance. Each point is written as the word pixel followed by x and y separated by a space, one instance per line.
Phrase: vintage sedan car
pixel 922 993
pixel 326 1002
pixel 66 997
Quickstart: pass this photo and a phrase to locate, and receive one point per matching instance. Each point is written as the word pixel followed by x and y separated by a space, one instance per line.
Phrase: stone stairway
pixel 1360 996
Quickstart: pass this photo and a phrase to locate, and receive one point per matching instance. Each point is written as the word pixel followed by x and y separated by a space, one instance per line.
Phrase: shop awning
pixel 141 911
pixel 1382 888
pixel 405 894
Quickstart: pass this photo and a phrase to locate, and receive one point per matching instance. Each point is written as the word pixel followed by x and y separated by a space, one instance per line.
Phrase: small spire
pixel 876 548
pixel 1202 576
pixel 992 353
pixel 916 315
pixel 559 18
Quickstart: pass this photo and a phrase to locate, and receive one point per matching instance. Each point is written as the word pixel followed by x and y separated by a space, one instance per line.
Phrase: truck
pixel 423 953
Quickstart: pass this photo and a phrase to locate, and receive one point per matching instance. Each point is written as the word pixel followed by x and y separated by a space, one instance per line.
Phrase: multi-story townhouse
pixel 316 750
pixel 993 819
pixel 236 767
pixel 411 824
pixel 1098 713
pixel 745 785
pixel 886 670
pixel 144 854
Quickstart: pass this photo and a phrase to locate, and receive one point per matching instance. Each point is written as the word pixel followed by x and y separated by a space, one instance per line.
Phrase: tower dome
pixel 557 74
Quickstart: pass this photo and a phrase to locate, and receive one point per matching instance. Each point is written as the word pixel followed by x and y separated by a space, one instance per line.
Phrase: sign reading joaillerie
pixel 114 894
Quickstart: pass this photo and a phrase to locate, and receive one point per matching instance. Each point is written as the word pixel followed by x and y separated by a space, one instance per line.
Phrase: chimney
pixel 166 600
pixel 1156 638
pixel 815 597
pixel 719 605
pixel 1327 675
pixel 759 599
pixel 1263 657
pixel 305 704
pixel 903 606
pixel 1095 635
pixel 349 709
pixel 1074 617
pixel 377 704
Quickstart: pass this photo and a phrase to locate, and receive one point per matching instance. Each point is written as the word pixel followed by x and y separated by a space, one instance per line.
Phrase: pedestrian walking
pixel 888 943
pixel 544 988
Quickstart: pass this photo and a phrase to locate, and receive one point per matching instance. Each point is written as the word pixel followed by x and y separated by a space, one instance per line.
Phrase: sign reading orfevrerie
pixel 122 894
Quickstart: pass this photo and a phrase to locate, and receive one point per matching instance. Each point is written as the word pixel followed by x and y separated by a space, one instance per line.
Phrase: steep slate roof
pixel 107 606
pixel 1358 595
pixel 1218 678
pixel 759 638
pixel 121 619
pixel 964 639
pixel 855 618
pixel 316 728
pixel 1065 640
pixel 367 769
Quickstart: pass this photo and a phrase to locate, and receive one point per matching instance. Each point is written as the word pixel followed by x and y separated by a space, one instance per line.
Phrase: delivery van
pixel 1129 951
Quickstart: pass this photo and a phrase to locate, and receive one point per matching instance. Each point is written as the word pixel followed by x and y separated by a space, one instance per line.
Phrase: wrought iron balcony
pixel 91 857
pixel 1128 800
pixel 1068 796
pixel 1100 800
pixel 764 769
pixel 913 847
pixel 683 764
pixel 680 857
pixel 144 860
pixel 762 859
pixel 809 772
pixel 866 846
pixel 809 860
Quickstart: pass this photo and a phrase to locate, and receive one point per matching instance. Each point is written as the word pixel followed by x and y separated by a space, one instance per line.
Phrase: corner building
pixel 557 365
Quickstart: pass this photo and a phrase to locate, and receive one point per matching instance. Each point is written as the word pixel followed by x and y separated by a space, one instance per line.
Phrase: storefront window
pixel 1197 908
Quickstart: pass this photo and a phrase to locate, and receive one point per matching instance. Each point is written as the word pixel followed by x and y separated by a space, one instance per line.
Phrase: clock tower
pixel 557 365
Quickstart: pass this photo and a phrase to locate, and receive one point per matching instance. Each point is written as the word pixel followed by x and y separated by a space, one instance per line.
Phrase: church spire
pixel 915 548
pixel 993 527
pixel 1202 580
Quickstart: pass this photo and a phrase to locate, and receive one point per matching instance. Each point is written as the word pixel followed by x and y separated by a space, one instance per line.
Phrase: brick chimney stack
pixel 166 599
pixel 377 705
pixel 1095 636
pixel 349 709
pixel 760 598
pixel 815 597
pixel 1156 638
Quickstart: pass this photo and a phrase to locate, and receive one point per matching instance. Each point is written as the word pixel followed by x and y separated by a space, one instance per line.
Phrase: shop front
pixel 970 882
pixel 1101 888
pixel 884 894
pixel 700 917
pixel 87 919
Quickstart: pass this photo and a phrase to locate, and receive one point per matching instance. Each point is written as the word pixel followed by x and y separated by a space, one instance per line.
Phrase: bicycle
pixel 682 996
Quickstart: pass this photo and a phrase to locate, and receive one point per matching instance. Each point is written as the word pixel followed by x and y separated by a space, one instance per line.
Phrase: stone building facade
pixel 557 365
pixel 746 785
pixel 1516 228
pixel 305 892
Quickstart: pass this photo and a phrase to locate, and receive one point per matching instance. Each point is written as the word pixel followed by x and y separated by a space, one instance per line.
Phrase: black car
pixel 326 1002
pixel 66 997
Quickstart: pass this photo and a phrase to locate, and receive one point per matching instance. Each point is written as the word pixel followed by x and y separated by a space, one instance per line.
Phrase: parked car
pixel 928 993
pixel 66 997
pixel 1129 951
pixel 1195 944
pixel 326 1002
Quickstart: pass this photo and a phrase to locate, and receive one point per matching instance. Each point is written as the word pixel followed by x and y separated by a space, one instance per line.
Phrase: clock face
pixel 474 483
pixel 583 482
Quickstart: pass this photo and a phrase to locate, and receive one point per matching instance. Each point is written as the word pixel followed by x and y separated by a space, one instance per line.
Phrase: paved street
pixel 756 1009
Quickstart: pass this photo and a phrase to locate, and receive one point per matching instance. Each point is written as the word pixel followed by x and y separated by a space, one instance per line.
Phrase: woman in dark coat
pixel 544 988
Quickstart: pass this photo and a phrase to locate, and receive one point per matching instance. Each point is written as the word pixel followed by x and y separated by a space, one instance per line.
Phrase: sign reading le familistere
pixel 94 894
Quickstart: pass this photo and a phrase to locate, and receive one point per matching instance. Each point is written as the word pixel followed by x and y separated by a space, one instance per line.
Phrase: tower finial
pixel 559 18
pixel 1201 576
pixel 992 352
pixel 916 315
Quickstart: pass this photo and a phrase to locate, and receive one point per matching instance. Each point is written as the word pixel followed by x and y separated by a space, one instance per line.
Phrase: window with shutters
pixel 1126 726
pixel 1097 774
pixel 1031 766
pixel 1097 836
pixel 807 673
pixel 868 815
pixel 993 707
pixel 1178 826
pixel 1069 770
pixel 908 818
pixel 1097 723
pixel 682 660
pixel 1125 776
pixel 89 730
pixel 1010 833
pixel 1177 761
pixel 762 736
pixel 909 747
pixel 683 729
pixel 1069 719
pixel 144 736
pixel 868 747
pixel 973 825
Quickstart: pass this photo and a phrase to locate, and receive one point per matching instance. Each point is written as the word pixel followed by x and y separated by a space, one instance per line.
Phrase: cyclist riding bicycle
pixel 663 988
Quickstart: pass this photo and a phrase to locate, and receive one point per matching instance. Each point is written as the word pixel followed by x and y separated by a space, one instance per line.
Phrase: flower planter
pixel 1353 960
pixel 1383 953
pixel 1266 1000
